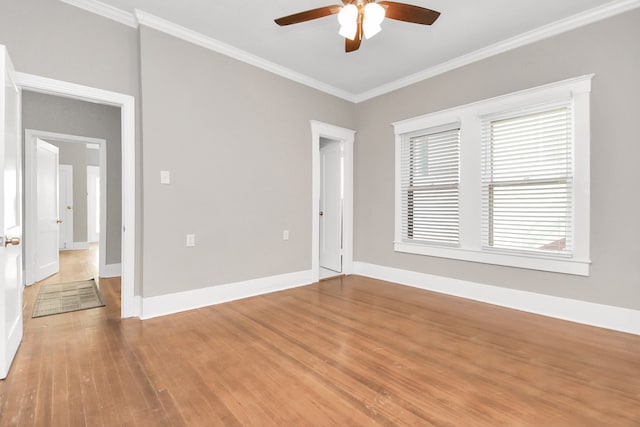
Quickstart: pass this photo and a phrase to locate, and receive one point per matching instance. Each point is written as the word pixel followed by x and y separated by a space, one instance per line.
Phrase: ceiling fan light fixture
pixel 360 18
pixel 348 19
pixel 373 17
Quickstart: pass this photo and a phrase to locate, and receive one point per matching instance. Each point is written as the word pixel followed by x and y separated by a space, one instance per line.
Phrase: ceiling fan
pixel 363 17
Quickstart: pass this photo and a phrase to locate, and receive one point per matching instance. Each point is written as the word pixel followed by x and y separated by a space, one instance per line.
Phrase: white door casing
pixel 346 137
pixel 10 216
pixel 65 206
pixel 47 254
pixel 93 203
pixel 331 205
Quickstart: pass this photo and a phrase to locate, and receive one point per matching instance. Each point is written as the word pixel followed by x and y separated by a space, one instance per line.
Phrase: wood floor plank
pixel 346 351
pixel 60 388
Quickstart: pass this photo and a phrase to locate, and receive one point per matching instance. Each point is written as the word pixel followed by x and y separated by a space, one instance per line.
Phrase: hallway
pixel 75 266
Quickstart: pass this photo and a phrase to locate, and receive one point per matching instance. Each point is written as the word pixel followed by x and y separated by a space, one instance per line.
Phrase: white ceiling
pixel 466 29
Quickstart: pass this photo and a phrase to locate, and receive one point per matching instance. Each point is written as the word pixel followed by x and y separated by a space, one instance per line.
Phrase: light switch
pixel 165 177
pixel 285 235
pixel 191 240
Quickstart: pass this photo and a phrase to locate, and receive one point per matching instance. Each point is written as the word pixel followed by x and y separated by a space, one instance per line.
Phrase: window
pixel 526 181
pixel 501 181
pixel 430 178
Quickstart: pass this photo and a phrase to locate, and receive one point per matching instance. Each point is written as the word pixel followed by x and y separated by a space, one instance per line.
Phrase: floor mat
pixel 65 297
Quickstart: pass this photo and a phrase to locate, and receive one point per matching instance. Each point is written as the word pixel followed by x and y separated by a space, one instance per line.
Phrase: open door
pixel 10 216
pixel 331 205
pixel 47 251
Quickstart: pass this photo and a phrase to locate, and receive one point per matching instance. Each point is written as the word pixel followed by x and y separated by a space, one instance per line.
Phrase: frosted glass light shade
pixel 373 17
pixel 348 19
pixel 370 30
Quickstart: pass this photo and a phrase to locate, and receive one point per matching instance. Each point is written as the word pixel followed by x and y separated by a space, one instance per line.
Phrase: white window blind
pixel 527 181
pixel 430 177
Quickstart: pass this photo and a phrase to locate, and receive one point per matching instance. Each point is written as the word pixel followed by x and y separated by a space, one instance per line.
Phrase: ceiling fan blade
pixel 409 13
pixel 308 15
pixel 353 45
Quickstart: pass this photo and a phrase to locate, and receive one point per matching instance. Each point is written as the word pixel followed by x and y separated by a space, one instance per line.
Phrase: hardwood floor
pixel 350 351
pixel 75 266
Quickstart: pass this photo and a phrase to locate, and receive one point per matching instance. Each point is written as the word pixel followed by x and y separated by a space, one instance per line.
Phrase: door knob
pixel 321 213
pixel 69 207
pixel 11 241
pixel 58 221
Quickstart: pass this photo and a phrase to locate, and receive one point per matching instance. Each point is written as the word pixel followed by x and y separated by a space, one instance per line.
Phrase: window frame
pixel 470 118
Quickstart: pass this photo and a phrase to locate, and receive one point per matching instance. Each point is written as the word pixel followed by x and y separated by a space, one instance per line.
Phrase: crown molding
pixel 207 42
pixel 613 8
pixel 564 25
pixel 105 10
pixel 140 17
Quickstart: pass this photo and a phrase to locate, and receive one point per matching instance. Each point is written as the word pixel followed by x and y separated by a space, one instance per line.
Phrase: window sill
pixel 532 262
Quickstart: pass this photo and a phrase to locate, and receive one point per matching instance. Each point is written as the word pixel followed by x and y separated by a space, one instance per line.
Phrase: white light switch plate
pixel 165 177
pixel 191 240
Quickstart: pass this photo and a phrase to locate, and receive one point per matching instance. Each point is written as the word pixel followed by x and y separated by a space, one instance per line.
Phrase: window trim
pixel 470 118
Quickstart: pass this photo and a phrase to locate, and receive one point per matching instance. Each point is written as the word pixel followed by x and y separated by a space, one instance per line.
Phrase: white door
pixel 47 255
pixel 93 203
pixel 10 216
pixel 65 206
pixel 331 205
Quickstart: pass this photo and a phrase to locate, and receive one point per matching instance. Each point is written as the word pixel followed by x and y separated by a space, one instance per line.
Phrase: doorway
pixel 331 201
pixel 130 304
pixel 335 144
pixel 70 200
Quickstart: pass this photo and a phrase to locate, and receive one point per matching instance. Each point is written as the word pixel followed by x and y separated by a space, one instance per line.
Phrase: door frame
pixel 31 196
pixel 99 204
pixel 346 137
pixel 322 201
pixel 130 304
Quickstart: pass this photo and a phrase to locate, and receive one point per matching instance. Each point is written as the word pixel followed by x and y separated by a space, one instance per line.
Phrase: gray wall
pixel 69 116
pixel 93 157
pixel 237 141
pixel 610 50
pixel 52 39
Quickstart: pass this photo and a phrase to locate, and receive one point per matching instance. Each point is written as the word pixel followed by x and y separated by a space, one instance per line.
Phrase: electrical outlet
pixel 285 235
pixel 191 240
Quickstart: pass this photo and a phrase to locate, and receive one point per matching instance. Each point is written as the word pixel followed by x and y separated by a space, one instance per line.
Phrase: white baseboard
pixel 76 246
pixel 111 270
pixel 603 316
pixel 189 300
pixel 137 307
